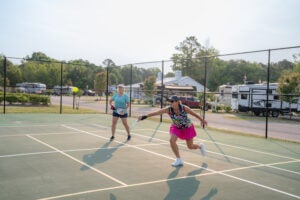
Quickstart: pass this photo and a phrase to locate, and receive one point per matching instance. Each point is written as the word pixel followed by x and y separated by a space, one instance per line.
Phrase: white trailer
pixel 225 94
pixel 37 88
pixel 253 98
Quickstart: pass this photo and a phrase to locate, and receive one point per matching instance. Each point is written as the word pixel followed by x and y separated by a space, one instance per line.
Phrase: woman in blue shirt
pixel 121 103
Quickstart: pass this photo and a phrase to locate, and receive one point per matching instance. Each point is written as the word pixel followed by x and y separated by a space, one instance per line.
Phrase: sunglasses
pixel 171 101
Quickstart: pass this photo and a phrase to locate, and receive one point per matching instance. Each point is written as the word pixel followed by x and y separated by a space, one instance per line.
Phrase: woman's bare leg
pixel 114 125
pixel 174 146
pixel 125 124
pixel 190 144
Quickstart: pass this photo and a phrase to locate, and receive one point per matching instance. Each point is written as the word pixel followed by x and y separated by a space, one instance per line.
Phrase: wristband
pixel 144 117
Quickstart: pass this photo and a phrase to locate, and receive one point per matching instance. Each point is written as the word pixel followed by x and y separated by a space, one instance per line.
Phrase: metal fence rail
pixel 164 66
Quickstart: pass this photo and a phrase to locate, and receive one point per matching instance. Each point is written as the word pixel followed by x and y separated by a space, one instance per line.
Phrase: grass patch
pixel 260 118
pixel 49 109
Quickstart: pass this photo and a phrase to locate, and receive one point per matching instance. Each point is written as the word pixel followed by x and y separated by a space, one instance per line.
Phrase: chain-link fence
pixel 243 84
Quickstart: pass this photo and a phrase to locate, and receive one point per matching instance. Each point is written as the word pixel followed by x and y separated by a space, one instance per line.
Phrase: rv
pixel 37 88
pixel 253 97
pixel 225 94
pixel 65 90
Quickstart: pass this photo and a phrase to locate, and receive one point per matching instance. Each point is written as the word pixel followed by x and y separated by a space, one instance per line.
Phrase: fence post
pixel 162 88
pixel 61 83
pixel 4 85
pixel 130 92
pixel 204 95
pixel 268 86
pixel 106 93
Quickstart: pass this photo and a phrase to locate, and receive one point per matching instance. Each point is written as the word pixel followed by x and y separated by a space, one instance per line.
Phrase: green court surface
pixel 52 156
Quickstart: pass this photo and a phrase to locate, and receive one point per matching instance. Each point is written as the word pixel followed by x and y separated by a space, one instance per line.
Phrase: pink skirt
pixel 183 134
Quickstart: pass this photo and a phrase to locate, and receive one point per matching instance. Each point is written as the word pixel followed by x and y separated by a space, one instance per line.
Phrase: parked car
pixel 158 99
pixel 190 102
pixel 208 106
pixel 194 103
pixel 89 93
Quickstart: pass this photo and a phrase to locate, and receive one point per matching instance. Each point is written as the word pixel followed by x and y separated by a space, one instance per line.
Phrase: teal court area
pixel 52 156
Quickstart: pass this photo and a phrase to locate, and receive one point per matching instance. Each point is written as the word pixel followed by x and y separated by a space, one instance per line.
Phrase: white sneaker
pixel 202 149
pixel 178 162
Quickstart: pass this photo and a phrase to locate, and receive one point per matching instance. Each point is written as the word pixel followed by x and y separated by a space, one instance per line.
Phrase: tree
pixel 169 74
pixel 191 60
pixel 100 82
pixel 289 87
pixel 149 86
pixel 14 75
pixel 297 63
pixel 39 56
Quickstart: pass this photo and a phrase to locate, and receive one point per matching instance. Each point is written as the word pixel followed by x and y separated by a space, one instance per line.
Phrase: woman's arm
pixel 127 101
pixel 158 112
pixel 190 111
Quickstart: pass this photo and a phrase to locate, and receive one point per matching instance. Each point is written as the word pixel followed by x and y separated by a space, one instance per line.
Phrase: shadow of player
pixel 100 156
pixel 185 188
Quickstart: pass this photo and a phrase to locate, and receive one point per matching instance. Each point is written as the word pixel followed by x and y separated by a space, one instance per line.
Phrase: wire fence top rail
pixel 218 55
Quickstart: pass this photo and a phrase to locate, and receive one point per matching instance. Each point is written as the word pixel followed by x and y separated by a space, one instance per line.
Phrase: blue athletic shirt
pixel 120 101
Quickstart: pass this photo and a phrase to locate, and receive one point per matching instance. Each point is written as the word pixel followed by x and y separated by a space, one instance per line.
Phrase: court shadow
pixel 281 145
pixel 101 155
pixel 185 188
pixel 112 197
pixel 211 193
pixel 218 147
pixel 154 133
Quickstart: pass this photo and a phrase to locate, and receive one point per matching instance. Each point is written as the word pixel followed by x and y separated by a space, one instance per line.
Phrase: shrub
pixel 23 98
pixel 227 109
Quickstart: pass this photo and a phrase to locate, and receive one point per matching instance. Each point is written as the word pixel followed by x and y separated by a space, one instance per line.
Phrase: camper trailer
pixel 253 97
pixel 225 94
pixel 37 88
pixel 65 90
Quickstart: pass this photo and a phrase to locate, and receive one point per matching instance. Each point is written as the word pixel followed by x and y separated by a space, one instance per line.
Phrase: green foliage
pixel 83 74
pixel 186 60
pixel 11 99
pixel 289 84
pixel 227 109
pixel 149 86
pixel 23 98
pixel 38 99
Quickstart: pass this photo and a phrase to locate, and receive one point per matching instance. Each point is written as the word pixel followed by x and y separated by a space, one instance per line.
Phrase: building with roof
pixel 180 80
pixel 179 85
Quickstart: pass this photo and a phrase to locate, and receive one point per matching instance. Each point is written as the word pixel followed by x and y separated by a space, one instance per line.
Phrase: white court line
pixel 74 150
pixel 243 148
pixel 79 161
pixel 169 157
pixel 120 187
pixel 191 164
pixel 105 127
pixel 24 134
pixel 27 154
pixel 241 159
pixel 134 185
pixel 28 125
pixel 270 165
pixel 163 142
pixel 233 157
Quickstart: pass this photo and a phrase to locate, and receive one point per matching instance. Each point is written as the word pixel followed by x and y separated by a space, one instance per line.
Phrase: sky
pixel 132 31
